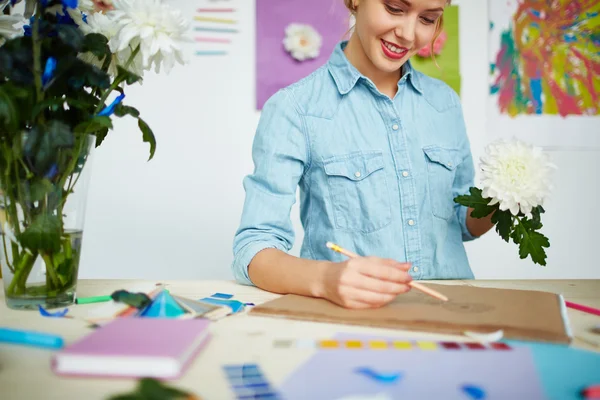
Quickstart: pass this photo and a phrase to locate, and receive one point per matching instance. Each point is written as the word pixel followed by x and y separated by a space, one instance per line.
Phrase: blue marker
pixel 30 338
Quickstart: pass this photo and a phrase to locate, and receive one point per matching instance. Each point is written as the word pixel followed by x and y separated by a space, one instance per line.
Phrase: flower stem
pixel 50 271
pixel 22 270
pixel 116 82
pixel 37 57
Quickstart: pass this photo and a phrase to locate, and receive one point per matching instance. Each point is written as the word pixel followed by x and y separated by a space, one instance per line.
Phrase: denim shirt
pixel 376 176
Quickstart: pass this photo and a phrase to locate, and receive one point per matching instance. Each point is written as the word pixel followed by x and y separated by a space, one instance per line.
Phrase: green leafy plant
pixel 522 230
pixel 62 83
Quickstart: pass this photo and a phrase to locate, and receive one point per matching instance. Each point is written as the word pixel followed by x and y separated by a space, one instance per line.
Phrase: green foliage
pixel 153 389
pixel 522 230
pixel 137 300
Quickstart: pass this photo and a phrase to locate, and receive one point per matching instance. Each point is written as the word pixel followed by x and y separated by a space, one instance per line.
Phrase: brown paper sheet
pixel 521 314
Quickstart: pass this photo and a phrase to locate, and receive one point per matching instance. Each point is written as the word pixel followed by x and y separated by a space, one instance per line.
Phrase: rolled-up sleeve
pixel 280 155
pixel 465 174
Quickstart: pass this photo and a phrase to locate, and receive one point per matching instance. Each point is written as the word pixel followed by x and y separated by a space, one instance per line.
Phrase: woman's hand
pixel 365 282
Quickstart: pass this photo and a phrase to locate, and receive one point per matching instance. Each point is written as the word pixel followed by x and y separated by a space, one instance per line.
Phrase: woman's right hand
pixel 365 282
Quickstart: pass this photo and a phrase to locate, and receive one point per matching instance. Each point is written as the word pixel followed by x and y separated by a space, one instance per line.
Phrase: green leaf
pixel 153 389
pixel 148 136
pixel 127 76
pixel 97 44
pixel 536 222
pixel 100 136
pixel 9 115
pixel 39 188
pixel 70 35
pixel 95 124
pixel 42 235
pixel 480 205
pixel 138 300
pixel 49 104
pixel 122 110
pixel 533 243
pixel 60 134
pixel 504 223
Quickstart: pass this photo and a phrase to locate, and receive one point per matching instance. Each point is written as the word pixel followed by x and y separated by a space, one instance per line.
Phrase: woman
pixel 379 151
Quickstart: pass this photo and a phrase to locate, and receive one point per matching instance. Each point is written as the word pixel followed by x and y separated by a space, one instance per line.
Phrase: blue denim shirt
pixel 376 175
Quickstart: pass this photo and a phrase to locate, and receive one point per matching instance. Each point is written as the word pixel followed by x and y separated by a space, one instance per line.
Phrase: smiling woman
pixel 379 151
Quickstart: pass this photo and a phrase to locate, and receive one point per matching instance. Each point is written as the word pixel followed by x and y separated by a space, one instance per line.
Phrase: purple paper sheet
pixel 424 374
pixel 275 67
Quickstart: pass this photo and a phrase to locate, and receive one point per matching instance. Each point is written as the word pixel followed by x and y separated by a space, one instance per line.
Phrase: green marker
pixel 93 299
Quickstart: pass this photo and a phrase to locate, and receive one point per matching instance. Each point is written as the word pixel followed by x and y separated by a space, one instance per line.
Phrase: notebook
pixel 521 314
pixel 135 347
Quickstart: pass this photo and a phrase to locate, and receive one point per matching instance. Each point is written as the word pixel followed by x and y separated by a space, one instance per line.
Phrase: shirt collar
pixel 346 75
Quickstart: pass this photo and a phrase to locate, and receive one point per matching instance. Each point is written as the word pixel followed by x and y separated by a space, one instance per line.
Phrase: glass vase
pixel 42 212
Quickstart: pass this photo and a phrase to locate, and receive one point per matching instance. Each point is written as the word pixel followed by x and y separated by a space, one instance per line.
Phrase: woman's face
pixel 391 31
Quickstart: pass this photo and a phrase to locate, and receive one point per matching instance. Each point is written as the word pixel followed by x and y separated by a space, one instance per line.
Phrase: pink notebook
pixel 135 347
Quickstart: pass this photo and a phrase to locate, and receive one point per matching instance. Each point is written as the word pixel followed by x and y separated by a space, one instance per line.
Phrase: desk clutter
pixel 533 359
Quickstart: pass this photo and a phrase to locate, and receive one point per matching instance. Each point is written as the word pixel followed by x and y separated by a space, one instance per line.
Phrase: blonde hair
pixel 439 26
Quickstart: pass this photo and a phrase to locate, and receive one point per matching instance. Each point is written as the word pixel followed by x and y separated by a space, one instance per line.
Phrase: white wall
pixel 174 217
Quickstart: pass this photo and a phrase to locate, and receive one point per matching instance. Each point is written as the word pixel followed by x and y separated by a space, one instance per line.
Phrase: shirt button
pixel 449 164
pixel 416 269
pixel 411 222
pixel 405 174
pixel 357 174
pixel 395 127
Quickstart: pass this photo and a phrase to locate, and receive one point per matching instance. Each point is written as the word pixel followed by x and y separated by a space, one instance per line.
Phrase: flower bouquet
pixel 515 183
pixel 64 68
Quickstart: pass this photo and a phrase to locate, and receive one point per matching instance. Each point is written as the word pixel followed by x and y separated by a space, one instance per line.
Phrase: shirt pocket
pixel 359 191
pixel 441 169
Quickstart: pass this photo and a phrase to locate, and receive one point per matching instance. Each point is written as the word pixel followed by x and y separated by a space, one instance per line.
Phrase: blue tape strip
pixel 235 305
pixel 57 314
pixel 224 296
pixel 378 376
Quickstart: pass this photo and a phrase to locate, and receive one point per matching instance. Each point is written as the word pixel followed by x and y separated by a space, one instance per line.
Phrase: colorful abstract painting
pixel 446 52
pixel 299 21
pixel 544 76
pixel 546 57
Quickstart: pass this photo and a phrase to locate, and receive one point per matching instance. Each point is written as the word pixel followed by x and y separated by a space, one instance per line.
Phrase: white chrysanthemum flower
pixel 516 175
pixel 159 29
pixel 10 27
pixel 303 42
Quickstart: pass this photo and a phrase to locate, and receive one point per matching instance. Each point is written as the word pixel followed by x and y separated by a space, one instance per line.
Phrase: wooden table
pixel 25 372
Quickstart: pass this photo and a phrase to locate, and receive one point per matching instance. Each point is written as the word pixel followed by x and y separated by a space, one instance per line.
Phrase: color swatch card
pixel 448 373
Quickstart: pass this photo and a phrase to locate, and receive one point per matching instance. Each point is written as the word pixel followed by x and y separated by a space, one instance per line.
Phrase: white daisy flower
pixel 516 175
pixel 159 30
pixel 302 41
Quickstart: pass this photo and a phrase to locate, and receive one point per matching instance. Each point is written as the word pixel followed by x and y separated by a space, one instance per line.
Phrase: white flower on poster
pixel 302 41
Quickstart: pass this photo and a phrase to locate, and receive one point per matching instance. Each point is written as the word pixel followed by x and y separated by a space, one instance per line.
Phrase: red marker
pixel 591 392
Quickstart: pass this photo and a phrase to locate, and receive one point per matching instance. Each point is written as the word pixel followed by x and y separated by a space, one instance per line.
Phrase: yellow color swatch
pixel 378 344
pixel 427 345
pixel 354 344
pixel 402 345
pixel 329 344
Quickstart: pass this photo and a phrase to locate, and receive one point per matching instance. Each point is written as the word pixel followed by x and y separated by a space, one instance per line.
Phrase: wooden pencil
pixel 413 284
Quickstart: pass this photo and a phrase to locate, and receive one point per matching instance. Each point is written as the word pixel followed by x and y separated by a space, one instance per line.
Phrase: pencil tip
pixel 329 244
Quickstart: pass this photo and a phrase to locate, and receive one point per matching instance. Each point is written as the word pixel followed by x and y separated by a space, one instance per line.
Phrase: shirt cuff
pixel 245 256
pixel 462 220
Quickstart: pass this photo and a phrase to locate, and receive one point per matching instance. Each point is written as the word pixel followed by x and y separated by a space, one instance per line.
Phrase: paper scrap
pixel 475 392
pixel 380 377
pixel 56 314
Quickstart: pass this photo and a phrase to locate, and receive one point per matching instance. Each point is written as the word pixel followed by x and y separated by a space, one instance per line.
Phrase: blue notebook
pixel 564 371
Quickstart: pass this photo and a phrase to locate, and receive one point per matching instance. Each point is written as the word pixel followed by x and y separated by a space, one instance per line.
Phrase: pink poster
pixel 293 39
